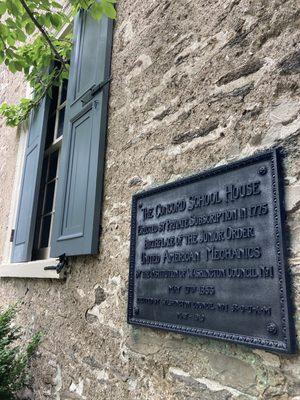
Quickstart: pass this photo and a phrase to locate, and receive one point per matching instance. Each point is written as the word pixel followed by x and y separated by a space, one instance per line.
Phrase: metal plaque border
pixel 285 346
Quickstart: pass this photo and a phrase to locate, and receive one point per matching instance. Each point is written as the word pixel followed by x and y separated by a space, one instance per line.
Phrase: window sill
pixel 33 269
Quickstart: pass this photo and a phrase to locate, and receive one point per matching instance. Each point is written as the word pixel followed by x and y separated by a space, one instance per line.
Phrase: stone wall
pixel 195 84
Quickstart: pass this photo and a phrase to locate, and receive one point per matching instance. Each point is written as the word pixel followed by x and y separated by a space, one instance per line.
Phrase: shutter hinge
pixel 63 262
pixel 93 91
pixel 12 235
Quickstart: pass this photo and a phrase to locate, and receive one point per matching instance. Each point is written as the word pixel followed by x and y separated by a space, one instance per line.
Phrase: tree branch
pixel 43 32
pixel 47 87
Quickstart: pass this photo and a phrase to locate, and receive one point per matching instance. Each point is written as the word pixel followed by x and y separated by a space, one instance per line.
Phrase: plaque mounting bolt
pixel 263 170
pixel 136 311
pixel 140 205
pixel 272 328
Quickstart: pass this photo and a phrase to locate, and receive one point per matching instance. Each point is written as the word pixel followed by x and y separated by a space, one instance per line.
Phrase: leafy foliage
pixel 13 358
pixel 29 44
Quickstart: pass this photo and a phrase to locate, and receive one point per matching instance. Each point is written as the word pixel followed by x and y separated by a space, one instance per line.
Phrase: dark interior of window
pixel 49 176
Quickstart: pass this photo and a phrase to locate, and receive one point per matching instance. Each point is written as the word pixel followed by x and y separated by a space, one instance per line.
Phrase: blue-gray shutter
pixel 79 194
pixel 30 183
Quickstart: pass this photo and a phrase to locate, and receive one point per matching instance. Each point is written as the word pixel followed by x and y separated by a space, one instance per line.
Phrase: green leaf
pixel 10 40
pixel 12 67
pixel 29 28
pixel 2 7
pixel 109 10
pixel 97 10
pixel 47 20
pixel 12 7
pixel 41 18
pixel 56 5
pixel 18 66
pixel 20 36
pixel 10 53
pixel 55 20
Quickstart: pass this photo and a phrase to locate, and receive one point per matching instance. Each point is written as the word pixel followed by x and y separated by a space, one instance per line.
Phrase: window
pixel 61 190
pixel 49 178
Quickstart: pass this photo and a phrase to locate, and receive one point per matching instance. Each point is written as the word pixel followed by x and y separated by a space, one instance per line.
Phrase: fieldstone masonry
pixel 196 84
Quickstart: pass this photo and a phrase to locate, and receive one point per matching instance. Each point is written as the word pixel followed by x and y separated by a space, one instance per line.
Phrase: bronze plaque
pixel 207 256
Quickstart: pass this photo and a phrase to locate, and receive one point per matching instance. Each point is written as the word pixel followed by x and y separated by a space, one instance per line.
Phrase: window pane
pixel 46 223
pixel 36 234
pixel 50 131
pixel 40 201
pixel 44 171
pixel 54 99
pixel 49 197
pixel 64 91
pixel 61 119
pixel 53 166
pixel 51 120
pixel 42 187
